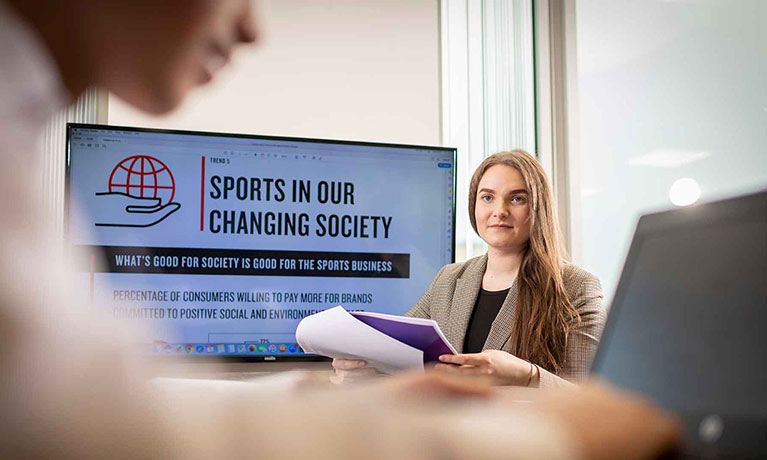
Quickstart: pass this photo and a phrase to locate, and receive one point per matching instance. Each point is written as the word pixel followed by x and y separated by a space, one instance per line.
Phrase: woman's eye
pixel 518 199
pixel 485 197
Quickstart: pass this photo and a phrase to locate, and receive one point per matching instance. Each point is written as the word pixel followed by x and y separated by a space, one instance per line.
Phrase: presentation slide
pixel 221 244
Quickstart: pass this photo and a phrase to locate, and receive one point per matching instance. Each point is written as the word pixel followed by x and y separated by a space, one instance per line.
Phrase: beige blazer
pixel 451 297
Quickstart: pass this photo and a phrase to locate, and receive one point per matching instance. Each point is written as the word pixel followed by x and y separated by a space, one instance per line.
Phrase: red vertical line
pixel 93 270
pixel 202 196
pixel 142 177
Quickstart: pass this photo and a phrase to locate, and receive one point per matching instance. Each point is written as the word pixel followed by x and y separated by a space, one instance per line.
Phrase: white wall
pixel 345 69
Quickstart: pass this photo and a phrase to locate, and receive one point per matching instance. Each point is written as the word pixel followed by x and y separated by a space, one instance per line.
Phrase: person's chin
pixel 205 76
pixel 162 102
pixel 502 243
pixel 162 107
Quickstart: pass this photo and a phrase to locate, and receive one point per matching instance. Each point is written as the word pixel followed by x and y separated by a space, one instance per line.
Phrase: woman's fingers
pixel 348 364
pixel 355 375
pixel 359 373
pixel 352 370
pixel 462 370
pixel 472 359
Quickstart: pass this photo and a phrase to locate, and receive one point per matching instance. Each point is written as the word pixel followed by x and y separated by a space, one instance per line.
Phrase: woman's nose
pixel 500 211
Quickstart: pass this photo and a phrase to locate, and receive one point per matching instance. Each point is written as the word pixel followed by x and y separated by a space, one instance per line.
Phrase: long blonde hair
pixel 545 314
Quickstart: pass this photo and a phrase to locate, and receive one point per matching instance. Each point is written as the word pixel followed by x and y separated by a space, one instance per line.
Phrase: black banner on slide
pixel 196 261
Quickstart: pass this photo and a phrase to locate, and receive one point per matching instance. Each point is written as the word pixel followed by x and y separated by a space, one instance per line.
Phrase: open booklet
pixel 389 343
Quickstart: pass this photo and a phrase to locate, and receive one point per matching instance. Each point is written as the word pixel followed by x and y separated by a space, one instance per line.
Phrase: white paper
pixel 337 334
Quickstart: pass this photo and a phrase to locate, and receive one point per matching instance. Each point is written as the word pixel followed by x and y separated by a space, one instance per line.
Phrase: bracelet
pixel 530 375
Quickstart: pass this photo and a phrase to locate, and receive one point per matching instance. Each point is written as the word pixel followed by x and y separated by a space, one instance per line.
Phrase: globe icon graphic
pixel 142 176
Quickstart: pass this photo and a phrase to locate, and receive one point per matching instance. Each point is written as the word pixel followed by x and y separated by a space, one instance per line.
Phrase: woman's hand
pixel 504 367
pixel 352 370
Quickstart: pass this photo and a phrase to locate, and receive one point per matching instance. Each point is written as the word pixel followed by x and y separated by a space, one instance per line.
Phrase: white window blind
pixel 488 95
pixel 89 108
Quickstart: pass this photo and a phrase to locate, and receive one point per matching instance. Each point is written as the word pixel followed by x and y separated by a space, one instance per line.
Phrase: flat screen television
pixel 219 244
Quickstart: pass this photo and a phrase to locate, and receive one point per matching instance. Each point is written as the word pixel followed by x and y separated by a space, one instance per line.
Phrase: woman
pixel 520 312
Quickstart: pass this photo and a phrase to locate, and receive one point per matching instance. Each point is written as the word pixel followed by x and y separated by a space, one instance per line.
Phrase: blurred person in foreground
pixel 68 386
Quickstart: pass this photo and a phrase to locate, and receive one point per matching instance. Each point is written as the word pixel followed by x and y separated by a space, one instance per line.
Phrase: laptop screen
pixel 687 326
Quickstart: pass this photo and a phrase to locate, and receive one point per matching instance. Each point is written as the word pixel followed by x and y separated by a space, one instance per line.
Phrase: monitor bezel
pixel 246 358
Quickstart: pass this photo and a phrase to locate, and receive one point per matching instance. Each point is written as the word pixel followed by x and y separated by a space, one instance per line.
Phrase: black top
pixel 485 310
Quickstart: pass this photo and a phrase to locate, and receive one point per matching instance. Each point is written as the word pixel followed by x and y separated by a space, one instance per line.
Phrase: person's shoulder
pixel 455 270
pixel 579 282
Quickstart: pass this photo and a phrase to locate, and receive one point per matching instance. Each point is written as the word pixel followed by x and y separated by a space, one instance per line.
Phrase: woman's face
pixel 502 211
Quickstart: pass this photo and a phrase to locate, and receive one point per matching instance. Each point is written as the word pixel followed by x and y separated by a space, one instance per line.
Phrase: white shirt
pixel 69 388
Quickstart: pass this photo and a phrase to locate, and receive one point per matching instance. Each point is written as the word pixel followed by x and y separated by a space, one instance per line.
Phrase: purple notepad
pixel 424 337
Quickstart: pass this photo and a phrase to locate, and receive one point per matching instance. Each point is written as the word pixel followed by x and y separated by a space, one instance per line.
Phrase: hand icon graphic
pixel 117 209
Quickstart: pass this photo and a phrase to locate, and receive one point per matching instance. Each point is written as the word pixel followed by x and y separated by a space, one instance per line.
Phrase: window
pixel 672 104
pixel 488 91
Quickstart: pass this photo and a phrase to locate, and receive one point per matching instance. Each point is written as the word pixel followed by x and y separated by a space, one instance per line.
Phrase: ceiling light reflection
pixel 684 192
